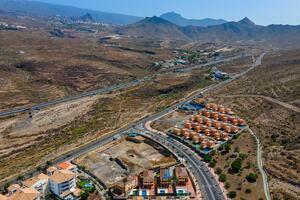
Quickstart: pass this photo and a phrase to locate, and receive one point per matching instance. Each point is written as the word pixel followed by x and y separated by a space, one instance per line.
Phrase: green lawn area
pixel 86 186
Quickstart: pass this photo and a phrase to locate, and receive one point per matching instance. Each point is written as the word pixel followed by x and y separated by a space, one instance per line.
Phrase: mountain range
pixel 242 31
pixel 37 9
pixel 181 21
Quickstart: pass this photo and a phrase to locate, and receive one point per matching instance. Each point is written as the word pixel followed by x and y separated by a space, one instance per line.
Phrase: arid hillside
pixel 268 98
pixel 36 66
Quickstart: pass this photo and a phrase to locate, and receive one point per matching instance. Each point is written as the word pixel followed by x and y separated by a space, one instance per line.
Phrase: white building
pixel 63 184
pixel 39 183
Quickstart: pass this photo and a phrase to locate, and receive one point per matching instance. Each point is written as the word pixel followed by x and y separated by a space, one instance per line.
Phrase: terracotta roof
pixel 181 171
pixel 64 165
pixel 2 197
pixel 62 176
pixel 25 194
pixel 148 176
pixel 13 187
pixel 52 169
pixel 30 182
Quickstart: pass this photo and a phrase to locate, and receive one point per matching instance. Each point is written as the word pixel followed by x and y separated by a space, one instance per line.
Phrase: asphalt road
pixel 106 90
pixel 208 185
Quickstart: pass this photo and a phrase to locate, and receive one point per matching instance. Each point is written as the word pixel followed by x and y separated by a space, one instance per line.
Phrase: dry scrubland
pixel 35 67
pixel 277 126
pixel 91 119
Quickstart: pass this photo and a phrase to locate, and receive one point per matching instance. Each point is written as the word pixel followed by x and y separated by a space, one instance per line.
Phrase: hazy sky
pixel 260 11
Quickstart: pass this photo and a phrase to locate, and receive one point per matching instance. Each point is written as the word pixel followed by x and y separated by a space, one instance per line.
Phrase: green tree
pixel 207 158
pixel 227 185
pixel 226 147
pixel 248 190
pixel 243 156
pixel 232 194
pixel 236 165
pixel 222 178
pixel 218 170
pixel 251 177
pixel 84 196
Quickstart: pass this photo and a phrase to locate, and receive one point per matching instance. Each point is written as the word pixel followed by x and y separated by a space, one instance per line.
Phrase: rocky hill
pixel 181 21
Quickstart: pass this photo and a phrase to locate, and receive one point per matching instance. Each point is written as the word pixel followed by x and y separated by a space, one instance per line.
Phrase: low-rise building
pixel 13 189
pixel 182 175
pixel 67 166
pixel 63 184
pixel 25 194
pixel 2 197
pixel 39 183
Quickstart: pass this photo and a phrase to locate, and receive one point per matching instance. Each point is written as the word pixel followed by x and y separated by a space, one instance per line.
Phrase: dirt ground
pixel 246 145
pixel 136 156
pixel 267 99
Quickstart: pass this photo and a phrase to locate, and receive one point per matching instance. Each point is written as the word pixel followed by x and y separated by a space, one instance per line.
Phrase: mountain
pixel 154 27
pixel 181 21
pixel 38 9
pixel 246 31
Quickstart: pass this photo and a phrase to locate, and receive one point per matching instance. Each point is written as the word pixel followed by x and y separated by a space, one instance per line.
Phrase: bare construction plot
pixel 116 161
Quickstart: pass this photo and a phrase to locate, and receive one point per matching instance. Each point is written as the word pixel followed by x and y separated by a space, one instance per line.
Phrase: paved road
pixel 106 90
pixel 261 167
pixel 203 175
pixel 205 181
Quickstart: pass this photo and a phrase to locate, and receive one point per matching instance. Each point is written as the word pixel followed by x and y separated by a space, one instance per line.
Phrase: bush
pixel 226 147
pixel 222 178
pixel 248 191
pixel 243 156
pixel 227 185
pixel 219 171
pixel 232 194
pixel 84 196
pixel 251 177
pixel 212 164
pixel 207 158
pixel 236 165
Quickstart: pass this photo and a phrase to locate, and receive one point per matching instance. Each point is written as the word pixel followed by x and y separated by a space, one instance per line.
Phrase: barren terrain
pixel 267 98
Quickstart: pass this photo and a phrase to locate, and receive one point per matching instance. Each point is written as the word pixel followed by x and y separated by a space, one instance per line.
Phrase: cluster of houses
pixel 6 26
pixel 210 127
pixel 150 184
pixel 59 181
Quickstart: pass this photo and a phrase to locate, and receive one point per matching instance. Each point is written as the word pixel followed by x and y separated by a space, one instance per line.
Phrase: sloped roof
pixel 25 194
pixel 62 176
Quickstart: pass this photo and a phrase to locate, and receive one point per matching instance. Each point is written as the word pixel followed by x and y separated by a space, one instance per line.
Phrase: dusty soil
pixel 246 145
pixel 58 130
pixel 276 124
pixel 137 157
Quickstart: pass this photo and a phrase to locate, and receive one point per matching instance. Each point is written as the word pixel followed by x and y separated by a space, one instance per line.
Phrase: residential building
pixel 63 184
pixel 39 183
pixel 67 166
pixel 25 194
pixel 182 175
pixel 166 176
pixel 51 170
pixel 13 189
pixel 147 179
pixel 2 197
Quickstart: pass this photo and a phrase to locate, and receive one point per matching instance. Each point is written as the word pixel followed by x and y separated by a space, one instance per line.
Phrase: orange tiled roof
pixel 64 165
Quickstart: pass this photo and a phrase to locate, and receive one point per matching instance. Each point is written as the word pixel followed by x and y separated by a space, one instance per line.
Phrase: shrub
pixel 222 178
pixel 248 191
pixel 227 185
pixel 243 156
pixel 218 170
pixel 227 147
pixel 207 158
pixel 212 164
pixel 237 149
pixel 84 196
pixel 251 177
pixel 236 165
pixel 232 194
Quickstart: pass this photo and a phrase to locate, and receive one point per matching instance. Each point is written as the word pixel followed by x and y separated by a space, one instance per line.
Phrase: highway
pixel 207 184
pixel 106 90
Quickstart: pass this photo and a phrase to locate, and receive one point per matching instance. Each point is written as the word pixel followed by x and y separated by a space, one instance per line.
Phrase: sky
pixel 263 12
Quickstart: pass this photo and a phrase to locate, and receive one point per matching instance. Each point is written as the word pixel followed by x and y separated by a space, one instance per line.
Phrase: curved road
pixel 210 190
